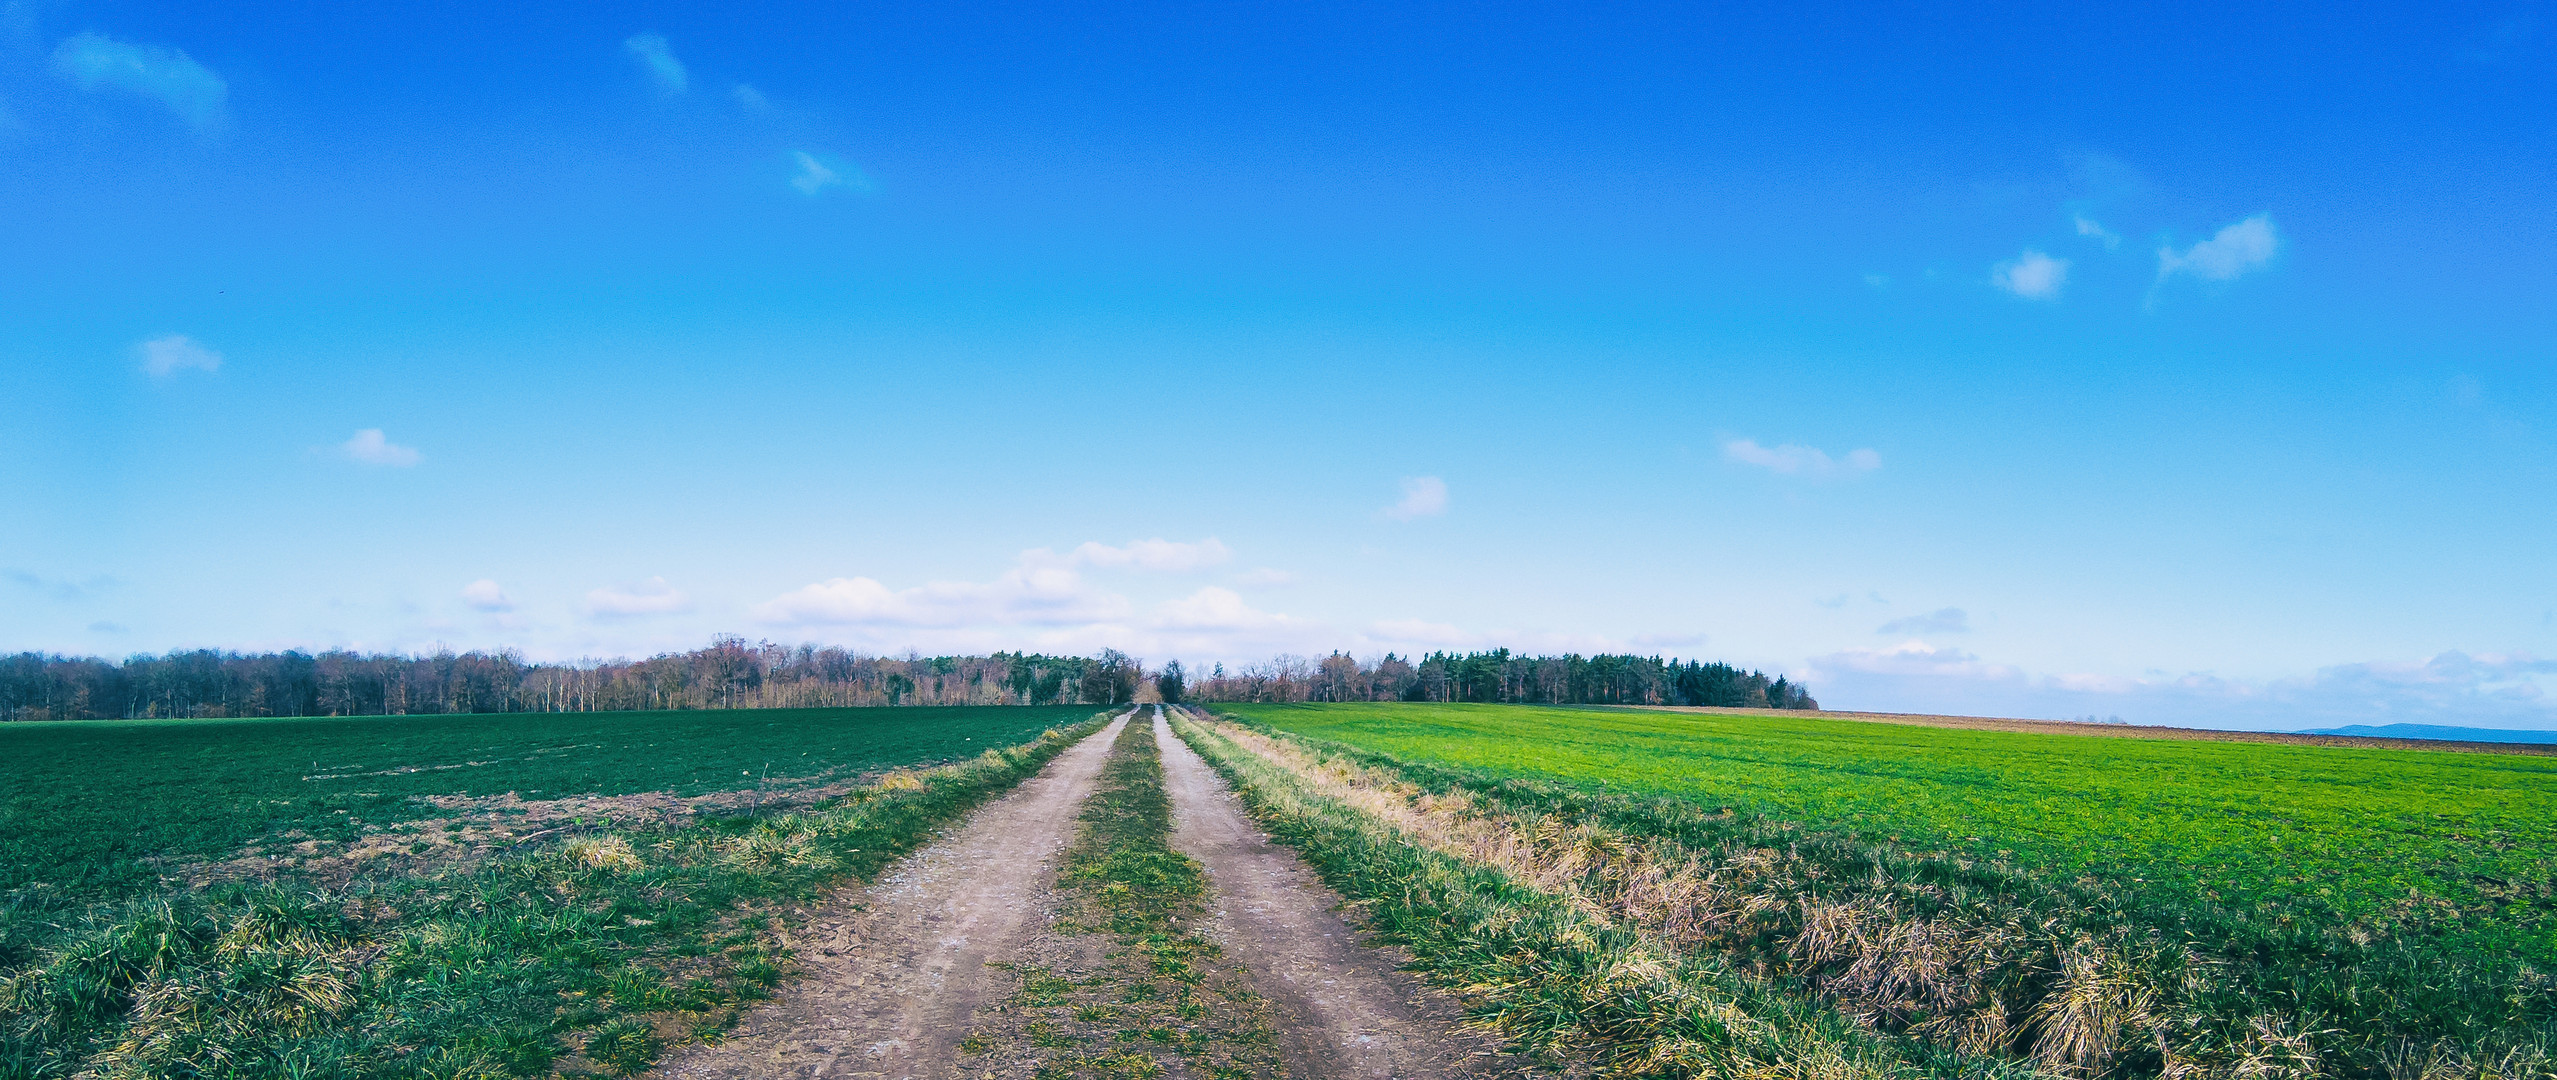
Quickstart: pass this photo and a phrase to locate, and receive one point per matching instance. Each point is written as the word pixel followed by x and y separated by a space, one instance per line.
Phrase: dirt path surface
pixel 891 973
pixel 1344 1010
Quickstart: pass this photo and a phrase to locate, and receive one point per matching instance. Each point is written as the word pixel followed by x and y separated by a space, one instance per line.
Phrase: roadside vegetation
pixel 1144 993
pixel 2004 901
pixel 582 948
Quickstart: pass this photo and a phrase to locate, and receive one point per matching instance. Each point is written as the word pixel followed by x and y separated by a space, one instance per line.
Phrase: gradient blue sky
pixel 2185 363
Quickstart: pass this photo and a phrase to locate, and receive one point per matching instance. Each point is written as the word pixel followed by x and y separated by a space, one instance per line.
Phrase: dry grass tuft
pixel 602 853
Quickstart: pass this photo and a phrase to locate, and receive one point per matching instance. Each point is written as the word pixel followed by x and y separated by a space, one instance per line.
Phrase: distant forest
pixel 732 673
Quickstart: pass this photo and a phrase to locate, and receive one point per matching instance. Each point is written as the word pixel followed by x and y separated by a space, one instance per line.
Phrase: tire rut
pixel 1346 1009
pixel 891 973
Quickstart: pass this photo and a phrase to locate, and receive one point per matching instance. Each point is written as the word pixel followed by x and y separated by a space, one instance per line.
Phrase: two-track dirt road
pixel 892 973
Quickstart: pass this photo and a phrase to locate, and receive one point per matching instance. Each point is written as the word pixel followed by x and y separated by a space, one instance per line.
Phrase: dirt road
pixel 891 973
pixel 1344 1009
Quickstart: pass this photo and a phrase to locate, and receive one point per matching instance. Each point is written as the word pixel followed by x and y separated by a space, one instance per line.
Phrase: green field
pixel 91 809
pixel 2087 905
pixel 2312 833
pixel 554 942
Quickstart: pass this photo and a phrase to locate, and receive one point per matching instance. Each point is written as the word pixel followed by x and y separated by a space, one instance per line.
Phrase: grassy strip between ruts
pixel 1979 957
pixel 1556 975
pixel 1153 987
pixel 573 958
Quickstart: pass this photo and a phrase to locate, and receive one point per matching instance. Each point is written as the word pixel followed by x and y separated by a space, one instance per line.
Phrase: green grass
pixel 2287 833
pixel 96 809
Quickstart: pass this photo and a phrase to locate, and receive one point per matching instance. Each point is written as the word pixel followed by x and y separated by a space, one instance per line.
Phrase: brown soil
pixel 1344 1009
pixel 891 973
pixel 2127 731
pixel 491 824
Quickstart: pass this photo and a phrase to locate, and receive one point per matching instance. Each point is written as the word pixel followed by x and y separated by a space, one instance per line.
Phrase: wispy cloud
pixel 371 447
pixel 1264 577
pixel 1792 459
pixel 60 588
pixel 166 356
pixel 818 174
pixel 813 176
pixel 1423 496
pixel 1952 620
pixel 2237 249
pixel 2088 227
pixel 2512 690
pixel 162 74
pixel 658 59
pixel 2032 275
pixel 651 597
pixel 749 98
pixel 485 595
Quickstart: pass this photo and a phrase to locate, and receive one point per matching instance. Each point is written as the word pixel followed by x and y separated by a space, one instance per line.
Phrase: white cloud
pixel 485 595
pixel 1423 496
pixel 658 60
pixel 2245 246
pixel 2032 275
pixel 651 597
pixel 370 447
pixel 1042 588
pixel 1263 577
pixel 749 98
pixel 1952 620
pixel 158 72
pixel 2088 227
pixel 1795 460
pixel 166 356
pixel 1051 595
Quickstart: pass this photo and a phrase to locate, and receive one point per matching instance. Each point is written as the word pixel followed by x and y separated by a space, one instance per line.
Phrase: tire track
pixel 1346 1010
pixel 892 972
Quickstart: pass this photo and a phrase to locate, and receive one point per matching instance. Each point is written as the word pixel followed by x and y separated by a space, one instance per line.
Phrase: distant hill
pixel 2444 734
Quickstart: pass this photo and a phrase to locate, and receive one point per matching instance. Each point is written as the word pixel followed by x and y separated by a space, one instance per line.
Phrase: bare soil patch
pixel 889 974
pixel 466 829
pixel 2126 731
pixel 1344 1009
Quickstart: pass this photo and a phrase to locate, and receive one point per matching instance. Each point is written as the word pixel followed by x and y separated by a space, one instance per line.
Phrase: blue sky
pixel 2187 364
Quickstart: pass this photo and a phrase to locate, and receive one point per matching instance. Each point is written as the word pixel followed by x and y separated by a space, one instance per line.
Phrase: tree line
pixel 1500 675
pixel 732 673
pixel 728 674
